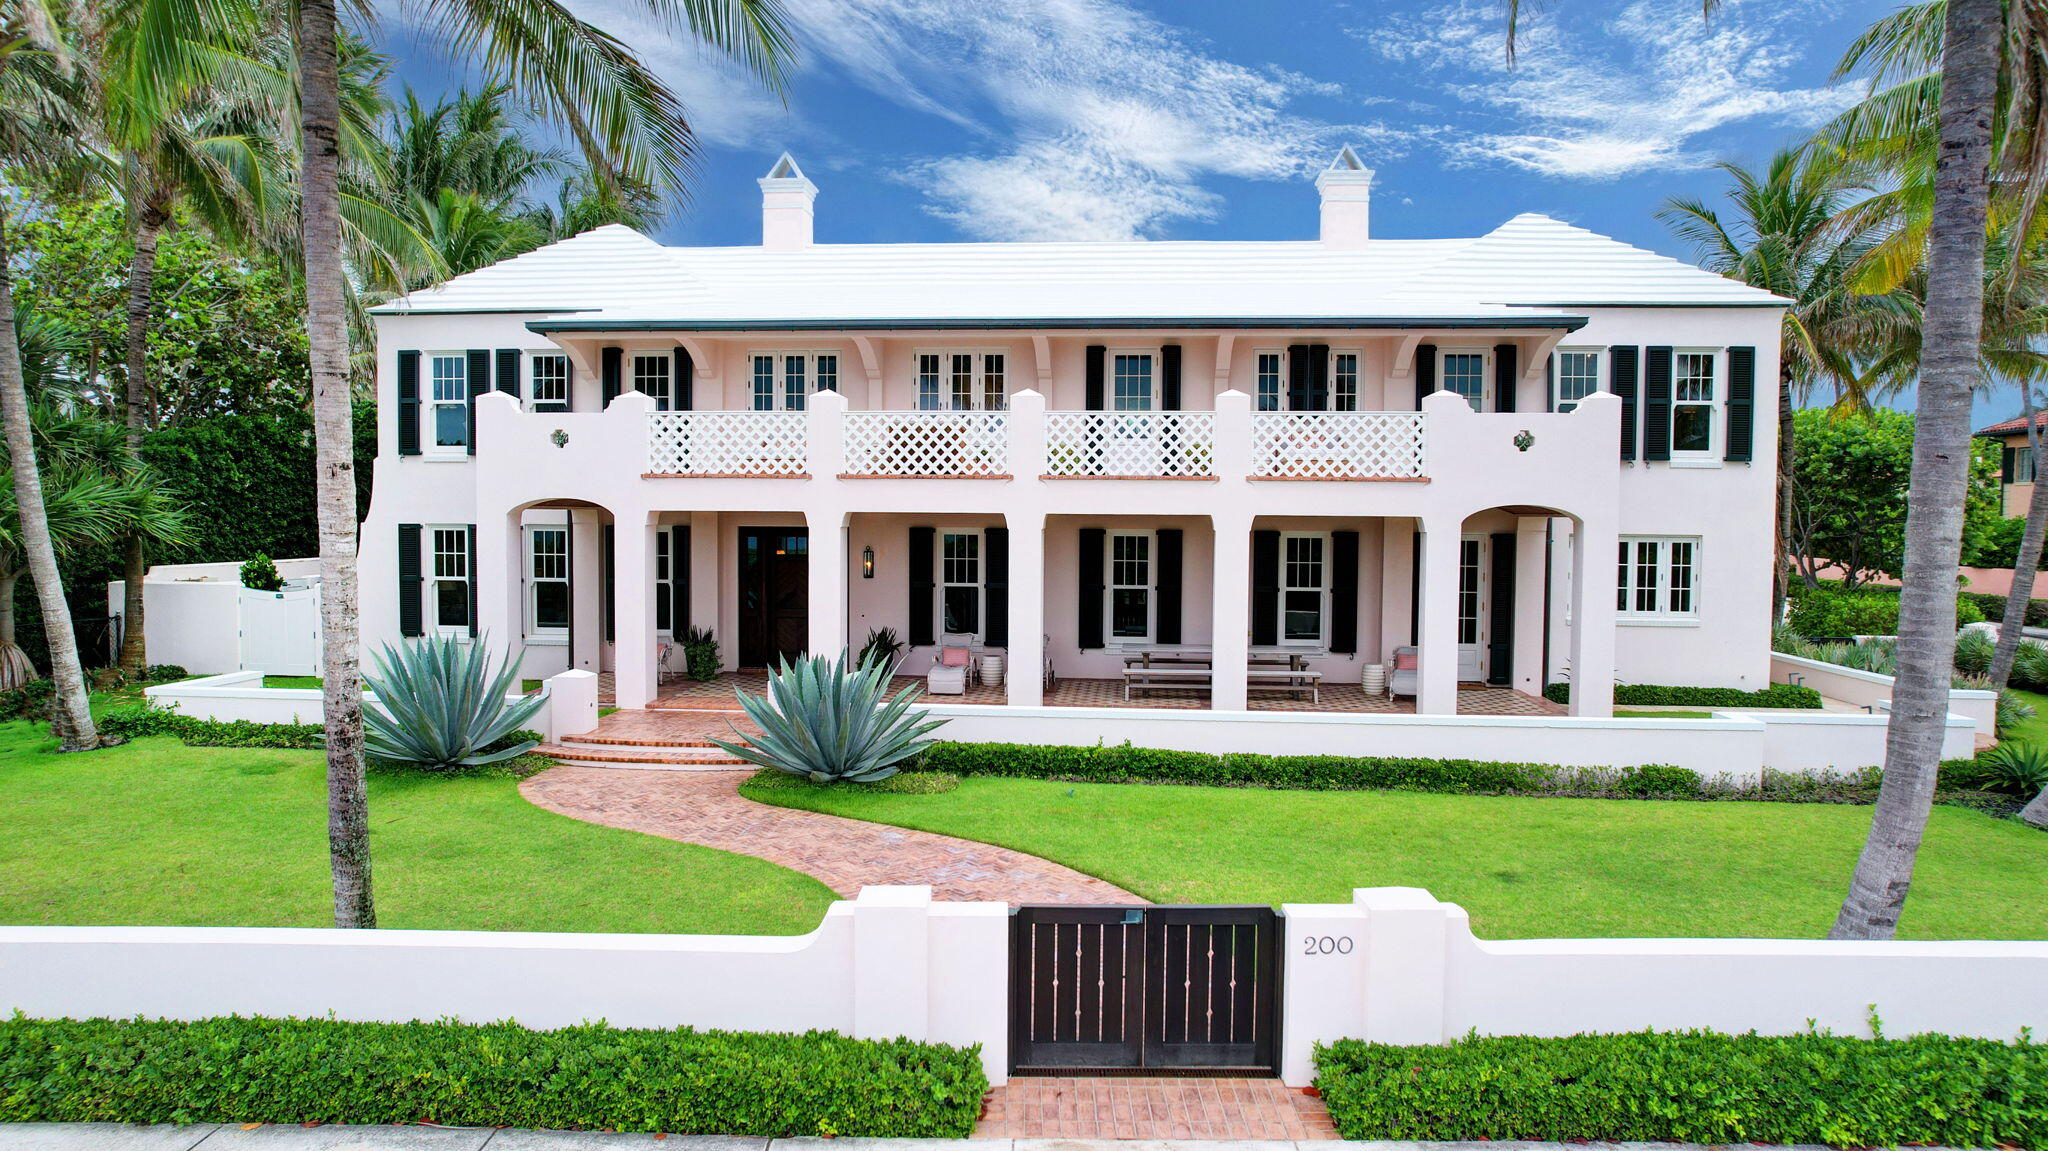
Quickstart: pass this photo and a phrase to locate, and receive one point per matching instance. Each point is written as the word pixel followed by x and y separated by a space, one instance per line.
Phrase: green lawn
pixel 2034 730
pixel 312 681
pixel 1524 868
pixel 159 833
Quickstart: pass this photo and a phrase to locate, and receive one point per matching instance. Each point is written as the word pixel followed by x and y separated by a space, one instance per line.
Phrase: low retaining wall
pixel 240 695
pixel 1873 690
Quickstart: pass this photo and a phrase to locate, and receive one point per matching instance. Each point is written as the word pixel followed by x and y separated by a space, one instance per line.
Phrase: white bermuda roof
pixel 1529 269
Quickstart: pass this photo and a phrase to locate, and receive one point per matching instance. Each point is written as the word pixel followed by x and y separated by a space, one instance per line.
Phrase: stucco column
pixel 1593 574
pixel 633 597
pixel 705 579
pixel 1230 609
pixel 828 575
pixel 497 585
pixel 1025 682
pixel 1530 604
pixel 1025 425
pixel 1437 689
pixel 586 585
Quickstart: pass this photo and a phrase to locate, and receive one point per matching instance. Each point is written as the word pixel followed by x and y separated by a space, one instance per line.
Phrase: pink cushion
pixel 1407 661
pixel 952 657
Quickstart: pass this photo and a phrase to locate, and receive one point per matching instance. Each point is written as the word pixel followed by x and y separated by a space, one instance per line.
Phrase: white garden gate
pixel 281 629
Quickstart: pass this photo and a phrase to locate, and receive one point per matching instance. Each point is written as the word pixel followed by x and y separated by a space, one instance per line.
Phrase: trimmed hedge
pixel 1693 1087
pixel 236 1070
pixel 138 720
pixel 1659 695
pixel 1992 607
pixel 1873 609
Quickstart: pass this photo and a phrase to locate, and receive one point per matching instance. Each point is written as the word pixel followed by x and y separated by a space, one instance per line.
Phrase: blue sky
pixel 1207 119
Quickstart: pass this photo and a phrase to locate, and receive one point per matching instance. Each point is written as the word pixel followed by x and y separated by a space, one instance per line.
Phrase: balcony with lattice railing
pixel 728 445
pixel 1339 446
pixel 1130 445
pixel 926 445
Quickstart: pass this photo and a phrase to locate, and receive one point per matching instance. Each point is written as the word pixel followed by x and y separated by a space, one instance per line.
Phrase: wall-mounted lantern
pixel 867 563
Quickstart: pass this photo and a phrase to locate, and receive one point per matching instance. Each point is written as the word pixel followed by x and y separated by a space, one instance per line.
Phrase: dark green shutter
pixel 1500 646
pixel 1166 602
pixel 1096 357
pixel 1265 588
pixel 1425 372
pixel 408 403
pixel 1415 588
pixel 995 587
pixel 1504 377
pixel 1088 610
pixel 410 581
pixel 1318 377
pixel 920 582
pixel 679 580
pixel 1169 378
pixel 1741 404
pixel 611 372
pixel 1657 404
pixel 1621 380
pixel 685 381
pixel 611 583
pixel 1298 377
pixel 478 376
pixel 472 582
pixel 2005 464
pixel 508 372
pixel 1344 592
pixel 1550 384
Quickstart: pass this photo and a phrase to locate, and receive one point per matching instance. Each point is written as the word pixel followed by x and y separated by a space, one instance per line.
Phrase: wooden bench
pixel 1165 679
pixel 1288 680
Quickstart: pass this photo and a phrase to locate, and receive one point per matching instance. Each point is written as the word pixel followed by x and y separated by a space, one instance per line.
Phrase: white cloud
pixel 1603 99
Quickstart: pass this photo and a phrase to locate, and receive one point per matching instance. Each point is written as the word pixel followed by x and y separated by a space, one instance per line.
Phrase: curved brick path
pixel 705 807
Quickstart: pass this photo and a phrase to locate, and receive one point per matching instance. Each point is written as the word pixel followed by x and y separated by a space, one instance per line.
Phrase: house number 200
pixel 1326 945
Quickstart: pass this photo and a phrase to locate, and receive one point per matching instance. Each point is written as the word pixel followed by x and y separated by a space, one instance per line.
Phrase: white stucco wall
pixel 189 611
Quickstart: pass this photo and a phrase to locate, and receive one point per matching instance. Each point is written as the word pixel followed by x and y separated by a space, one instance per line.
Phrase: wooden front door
pixel 775 595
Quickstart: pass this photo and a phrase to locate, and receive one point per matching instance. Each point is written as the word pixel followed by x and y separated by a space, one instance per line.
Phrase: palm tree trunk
pixel 72 708
pixel 1781 585
pixel 348 808
pixel 1951 332
pixel 149 224
pixel 2012 625
pixel 15 668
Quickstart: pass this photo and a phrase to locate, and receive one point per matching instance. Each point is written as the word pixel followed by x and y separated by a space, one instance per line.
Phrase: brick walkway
pixel 1135 1108
pixel 705 807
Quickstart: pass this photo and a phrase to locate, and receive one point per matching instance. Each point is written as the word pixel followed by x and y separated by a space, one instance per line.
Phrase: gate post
pixel 892 962
pixel 1322 991
pixel 1371 969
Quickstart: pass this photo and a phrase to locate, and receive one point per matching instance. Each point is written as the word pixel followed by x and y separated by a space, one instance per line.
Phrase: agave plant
pixel 2019 768
pixel 828 721
pixel 439 705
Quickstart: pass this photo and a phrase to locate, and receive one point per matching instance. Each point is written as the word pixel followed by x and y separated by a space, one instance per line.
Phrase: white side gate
pixel 281 630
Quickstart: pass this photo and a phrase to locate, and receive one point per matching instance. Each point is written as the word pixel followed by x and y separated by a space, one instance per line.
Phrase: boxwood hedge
pixel 1694 1087
pixel 1659 695
pixel 249 1070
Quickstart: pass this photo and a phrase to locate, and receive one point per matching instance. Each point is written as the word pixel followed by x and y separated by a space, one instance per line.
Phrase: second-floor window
pixel 549 386
pixel 2022 464
pixel 1272 381
pixel 1692 403
pixel 784 381
pixel 962 381
pixel 1465 374
pixel 1343 381
pixel 1275 391
pixel 1131 381
pixel 450 400
pixel 651 377
pixel 1576 375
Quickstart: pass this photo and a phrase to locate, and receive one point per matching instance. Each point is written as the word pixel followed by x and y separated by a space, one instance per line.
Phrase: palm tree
pixel 1782 237
pixel 628 126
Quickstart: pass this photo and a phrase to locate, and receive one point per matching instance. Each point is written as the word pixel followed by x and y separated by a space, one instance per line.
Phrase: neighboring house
pixel 2016 462
pixel 1534 453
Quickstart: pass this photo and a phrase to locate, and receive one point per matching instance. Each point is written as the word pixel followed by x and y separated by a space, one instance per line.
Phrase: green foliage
pixel 590 1077
pixel 1849 491
pixel 1998 546
pixel 884 646
pixel 29 701
pixel 902 783
pixel 2016 768
pixel 1829 612
pixel 440 705
pixel 260 574
pixel 829 722
pixel 138 720
pixel 700 654
pixel 1693 1087
pixel 164 673
pixel 1993 608
pixel 1657 695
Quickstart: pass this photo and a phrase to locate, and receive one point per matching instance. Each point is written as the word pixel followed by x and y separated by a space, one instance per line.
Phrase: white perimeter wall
pixel 190 615
pixel 1873 691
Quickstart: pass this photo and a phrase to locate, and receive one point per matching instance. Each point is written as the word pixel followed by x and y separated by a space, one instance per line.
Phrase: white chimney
pixel 1346 190
pixel 786 199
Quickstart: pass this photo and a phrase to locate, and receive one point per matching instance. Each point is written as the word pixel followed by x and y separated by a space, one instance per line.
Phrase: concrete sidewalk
pixel 278 1137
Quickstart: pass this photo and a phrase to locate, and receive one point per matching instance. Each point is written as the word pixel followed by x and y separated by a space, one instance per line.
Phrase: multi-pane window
pixel 1344 382
pixel 1469 575
pixel 1302 587
pixel 450 401
pixel 547 579
pixel 1130 585
pixel 451 578
pixel 784 381
pixel 1465 374
pixel 960 582
pixel 1692 402
pixel 1578 376
pixel 1131 382
pixel 962 381
pixel 549 390
pixel 664 567
pixel 651 377
pixel 1657 576
pixel 1271 382
pixel 2023 464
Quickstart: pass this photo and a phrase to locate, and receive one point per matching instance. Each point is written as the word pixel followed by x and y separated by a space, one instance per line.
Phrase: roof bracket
pixel 870 362
pixel 1404 356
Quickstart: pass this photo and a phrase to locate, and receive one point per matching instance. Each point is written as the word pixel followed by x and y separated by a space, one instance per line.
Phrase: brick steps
pixel 671 757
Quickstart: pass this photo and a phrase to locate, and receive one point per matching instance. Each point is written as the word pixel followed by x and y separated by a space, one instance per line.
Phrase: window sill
pixel 1695 462
pixel 447 459
pixel 547 641
pixel 1623 619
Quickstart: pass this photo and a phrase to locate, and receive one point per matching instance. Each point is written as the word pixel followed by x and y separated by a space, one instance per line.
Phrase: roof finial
pixel 785 169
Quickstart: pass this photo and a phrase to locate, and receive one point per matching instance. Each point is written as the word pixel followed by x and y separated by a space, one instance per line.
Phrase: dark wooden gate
pixel 1105 988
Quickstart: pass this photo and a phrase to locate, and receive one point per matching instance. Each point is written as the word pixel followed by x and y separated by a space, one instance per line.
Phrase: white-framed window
pixel 960 582
pixel 1129 586
pixel 448 590
pixel 1275 392
pixel 1464 371
pixel 1657 578
pixel 448 402
pixel 1272 380
pixel 1575 374
pixel 1304 588
pixel 547 382
pixel 1692 402
pixel 651 372
pixel 784 381
pixel 963 381
pixel 2023 463
pixel 1130 381
pixel 1343 381
pixel 547 581
pixel 1471 574
pixel 664 600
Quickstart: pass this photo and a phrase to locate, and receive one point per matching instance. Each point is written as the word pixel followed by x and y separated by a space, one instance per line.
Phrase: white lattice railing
pixel 1130 443
pixel 727 444
pixel 953 444
pixel 1337 445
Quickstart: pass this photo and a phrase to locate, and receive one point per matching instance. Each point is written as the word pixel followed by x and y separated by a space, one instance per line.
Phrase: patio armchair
pixel 1405 677
pixel 953 668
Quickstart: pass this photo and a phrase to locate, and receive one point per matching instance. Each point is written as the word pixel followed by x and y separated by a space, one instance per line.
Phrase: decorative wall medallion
pixel 1523 440
pixel 561 438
